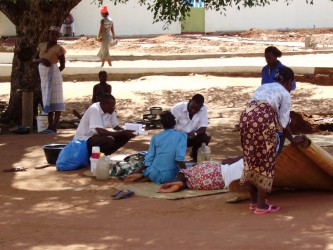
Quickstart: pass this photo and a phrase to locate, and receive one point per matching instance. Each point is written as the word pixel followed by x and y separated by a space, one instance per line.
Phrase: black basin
pixel 52 151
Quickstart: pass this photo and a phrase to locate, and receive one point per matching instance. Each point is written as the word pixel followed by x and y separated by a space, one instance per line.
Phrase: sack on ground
pixel 128 165
pixel 73 156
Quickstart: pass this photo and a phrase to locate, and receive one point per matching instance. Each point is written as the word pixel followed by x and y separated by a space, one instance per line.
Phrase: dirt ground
pixel 250 41
pixel 46 209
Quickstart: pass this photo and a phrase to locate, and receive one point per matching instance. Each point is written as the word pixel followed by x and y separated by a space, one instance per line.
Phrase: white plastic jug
pixel 204 153
pixel 102 168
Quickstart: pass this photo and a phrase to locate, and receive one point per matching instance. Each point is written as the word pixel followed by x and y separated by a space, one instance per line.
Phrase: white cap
pixel 96 149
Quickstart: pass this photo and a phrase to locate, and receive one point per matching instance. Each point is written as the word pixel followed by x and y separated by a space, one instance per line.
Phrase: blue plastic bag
pixel 73 156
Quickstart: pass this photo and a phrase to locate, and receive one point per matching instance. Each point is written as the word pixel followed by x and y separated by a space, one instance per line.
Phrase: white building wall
pixel 131 19
pixel 277 15
pixel 6 26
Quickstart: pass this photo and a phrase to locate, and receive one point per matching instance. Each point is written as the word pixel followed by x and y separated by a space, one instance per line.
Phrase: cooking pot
pixel 155 110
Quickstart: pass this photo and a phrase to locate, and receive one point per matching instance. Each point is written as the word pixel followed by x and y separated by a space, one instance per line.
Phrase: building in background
pixel 131 19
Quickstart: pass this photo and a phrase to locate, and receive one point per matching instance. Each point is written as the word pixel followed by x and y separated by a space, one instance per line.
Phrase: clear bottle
pixel 102 168
pixel 204 153
pixel 95 152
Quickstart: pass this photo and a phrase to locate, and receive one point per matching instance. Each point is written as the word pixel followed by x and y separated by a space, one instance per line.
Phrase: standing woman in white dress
pixel 105 37
pixel 48 55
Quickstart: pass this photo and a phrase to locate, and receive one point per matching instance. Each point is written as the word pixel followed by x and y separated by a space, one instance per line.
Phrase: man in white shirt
pixel 94 122
pixel 191 118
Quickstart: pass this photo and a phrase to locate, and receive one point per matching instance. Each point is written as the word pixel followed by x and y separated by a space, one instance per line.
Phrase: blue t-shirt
pixel 269 77
pixel 165 149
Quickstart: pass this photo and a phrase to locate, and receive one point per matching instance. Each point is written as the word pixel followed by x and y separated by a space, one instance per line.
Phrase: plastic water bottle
pixel 102 168
pixel 204 153
pixel 95 152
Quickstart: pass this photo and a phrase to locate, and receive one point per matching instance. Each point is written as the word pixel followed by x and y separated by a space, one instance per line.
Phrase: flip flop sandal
pixel 42 166
pixel 253 206
pixel 123 194
pixel 117 193
pixel 270 209
pixel 15 169
pixel 47 131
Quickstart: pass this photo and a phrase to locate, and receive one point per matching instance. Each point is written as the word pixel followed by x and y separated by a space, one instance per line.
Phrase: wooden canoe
pixel 305 167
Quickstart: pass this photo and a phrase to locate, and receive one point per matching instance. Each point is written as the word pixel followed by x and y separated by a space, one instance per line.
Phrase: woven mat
pixel 149 189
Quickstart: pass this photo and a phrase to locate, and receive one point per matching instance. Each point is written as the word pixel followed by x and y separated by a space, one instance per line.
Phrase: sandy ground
pixel 250 41
pixel 46 209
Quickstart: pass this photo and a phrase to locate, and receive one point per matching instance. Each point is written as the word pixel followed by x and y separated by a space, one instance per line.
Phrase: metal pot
pixel 155 110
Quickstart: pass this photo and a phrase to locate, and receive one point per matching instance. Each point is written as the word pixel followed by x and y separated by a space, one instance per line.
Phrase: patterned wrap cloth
pixel 258 127
pixel 204 176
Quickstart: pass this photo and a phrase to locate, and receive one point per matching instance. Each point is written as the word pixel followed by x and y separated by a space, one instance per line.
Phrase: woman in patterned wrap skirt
pixel 48 55
pixel 266 114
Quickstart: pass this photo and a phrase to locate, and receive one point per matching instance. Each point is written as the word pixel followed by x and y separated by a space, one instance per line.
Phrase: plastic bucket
pixel 52 152
pixel 42 123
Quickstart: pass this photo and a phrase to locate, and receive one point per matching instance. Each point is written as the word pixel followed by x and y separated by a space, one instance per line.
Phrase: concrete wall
pixel 129 19
pixel 132 19
pixel 277 15
pixel 6 26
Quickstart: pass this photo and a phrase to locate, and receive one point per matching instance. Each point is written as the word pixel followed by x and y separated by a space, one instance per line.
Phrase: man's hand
pixel 191 135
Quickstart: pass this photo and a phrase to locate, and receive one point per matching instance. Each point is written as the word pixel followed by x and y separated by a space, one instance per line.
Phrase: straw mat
pixel 149 189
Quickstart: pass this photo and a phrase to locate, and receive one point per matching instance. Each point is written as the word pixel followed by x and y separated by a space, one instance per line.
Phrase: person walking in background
pixel 106 26
pixel 48 55
pixel 191 118
pixel 68 23
pixel 165 156
pixel 266 114
pixel 273 64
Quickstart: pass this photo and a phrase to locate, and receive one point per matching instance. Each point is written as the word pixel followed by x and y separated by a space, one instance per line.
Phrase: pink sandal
pixel 270 209
pixel 253 206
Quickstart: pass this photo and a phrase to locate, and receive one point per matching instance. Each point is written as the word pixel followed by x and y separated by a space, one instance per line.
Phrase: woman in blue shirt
pixel 273 64
pixel 166 154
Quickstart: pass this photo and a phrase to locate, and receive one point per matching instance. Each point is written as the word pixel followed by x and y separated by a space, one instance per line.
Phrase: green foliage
pixel 15 4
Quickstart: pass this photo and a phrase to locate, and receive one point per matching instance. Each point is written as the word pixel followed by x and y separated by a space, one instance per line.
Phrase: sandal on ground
pixel 47 131
pixel 253 206
pixel 117 193
pixel 270 209
pixel 15 169
pixel 123 194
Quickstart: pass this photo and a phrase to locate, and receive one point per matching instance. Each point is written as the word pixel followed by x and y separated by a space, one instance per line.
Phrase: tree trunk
pixel 32 20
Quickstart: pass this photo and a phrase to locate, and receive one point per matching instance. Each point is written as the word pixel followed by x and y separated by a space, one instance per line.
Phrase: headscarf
pixel 54 28
pixel 104 9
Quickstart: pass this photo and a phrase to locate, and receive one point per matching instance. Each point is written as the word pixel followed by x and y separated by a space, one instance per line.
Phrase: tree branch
pixel 12 9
